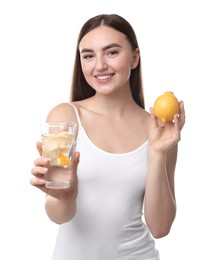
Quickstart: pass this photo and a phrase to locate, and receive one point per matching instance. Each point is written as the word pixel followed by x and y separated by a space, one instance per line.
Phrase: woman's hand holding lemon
pixel 167 120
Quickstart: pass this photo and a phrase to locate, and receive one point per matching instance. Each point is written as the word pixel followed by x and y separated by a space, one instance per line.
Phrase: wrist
pixel 153 152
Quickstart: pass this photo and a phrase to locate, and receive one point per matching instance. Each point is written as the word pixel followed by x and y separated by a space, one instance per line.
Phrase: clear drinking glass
pixel 58 140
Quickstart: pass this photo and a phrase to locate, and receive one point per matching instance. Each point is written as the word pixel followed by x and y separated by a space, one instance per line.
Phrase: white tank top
pixel 108 223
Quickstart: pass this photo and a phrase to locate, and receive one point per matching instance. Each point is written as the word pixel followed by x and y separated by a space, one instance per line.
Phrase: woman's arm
pixel 60 205
pixel 160 205
pixel 159 201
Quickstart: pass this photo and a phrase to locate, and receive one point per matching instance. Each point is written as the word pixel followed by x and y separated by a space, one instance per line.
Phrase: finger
pixel 41 161
pixel 39 171
pixel 39 147
pixel 181 114
pixel 176 122
pixel 75 162
pixel 38 182
pixel 154 120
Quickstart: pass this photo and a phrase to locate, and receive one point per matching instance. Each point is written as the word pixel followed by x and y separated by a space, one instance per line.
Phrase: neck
pixel 117 105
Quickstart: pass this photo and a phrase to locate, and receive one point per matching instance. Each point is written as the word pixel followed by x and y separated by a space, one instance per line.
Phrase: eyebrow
pixel 109 46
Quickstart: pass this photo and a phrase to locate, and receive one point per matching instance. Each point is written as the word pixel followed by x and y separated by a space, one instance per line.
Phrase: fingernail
pixel 44 170
pixel 45 159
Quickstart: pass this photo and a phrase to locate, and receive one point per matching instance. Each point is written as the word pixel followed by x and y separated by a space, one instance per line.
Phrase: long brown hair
pixel 80 89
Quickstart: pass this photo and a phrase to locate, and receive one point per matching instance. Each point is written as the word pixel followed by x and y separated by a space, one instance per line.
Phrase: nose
pixel 101 64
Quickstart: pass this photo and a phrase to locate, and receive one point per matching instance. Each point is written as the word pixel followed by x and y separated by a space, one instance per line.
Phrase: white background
pixel 37 45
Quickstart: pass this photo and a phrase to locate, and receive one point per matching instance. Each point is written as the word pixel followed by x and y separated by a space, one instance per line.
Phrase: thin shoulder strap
pixel 77 114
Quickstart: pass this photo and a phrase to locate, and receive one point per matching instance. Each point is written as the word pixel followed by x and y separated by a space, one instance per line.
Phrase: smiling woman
pixel 107 65
pixel 127 160
pixel 125 31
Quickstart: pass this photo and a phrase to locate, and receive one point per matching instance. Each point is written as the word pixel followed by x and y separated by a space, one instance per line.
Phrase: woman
pixel 127 159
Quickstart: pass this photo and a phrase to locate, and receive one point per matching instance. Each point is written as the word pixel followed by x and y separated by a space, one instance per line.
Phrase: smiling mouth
pixel 104 77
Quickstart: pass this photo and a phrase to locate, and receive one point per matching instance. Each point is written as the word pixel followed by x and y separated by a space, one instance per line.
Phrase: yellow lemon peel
pixel 166 106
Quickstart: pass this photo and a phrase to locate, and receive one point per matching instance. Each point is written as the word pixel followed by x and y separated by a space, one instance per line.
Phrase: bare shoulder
pixel 85 109
pixel 84 104
pixel 63 112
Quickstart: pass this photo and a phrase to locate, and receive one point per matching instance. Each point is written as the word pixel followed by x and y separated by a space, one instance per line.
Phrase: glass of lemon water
pixel 58 140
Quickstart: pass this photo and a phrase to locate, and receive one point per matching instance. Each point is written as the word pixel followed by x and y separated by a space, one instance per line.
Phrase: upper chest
pixel 113 135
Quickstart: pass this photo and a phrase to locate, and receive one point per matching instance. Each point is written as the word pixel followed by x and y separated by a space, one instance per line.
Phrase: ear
pixel 136 58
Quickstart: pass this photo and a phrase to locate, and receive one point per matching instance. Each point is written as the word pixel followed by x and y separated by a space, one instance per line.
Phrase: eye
pixel 112 52
pixel 87 56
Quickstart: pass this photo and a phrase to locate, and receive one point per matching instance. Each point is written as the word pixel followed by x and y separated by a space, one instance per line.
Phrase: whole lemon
pixel 166 106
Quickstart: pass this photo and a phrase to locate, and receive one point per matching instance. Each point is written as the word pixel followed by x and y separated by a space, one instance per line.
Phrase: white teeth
pixel 103 77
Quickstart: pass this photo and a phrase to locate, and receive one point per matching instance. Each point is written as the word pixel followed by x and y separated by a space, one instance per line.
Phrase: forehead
pixel 102 36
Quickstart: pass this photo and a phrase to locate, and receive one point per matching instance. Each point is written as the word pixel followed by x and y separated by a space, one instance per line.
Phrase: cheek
pixel 125 63
pixel 85 69
pixel 124 66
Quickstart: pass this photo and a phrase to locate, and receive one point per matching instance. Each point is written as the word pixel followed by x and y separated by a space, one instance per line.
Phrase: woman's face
pixel 107 59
